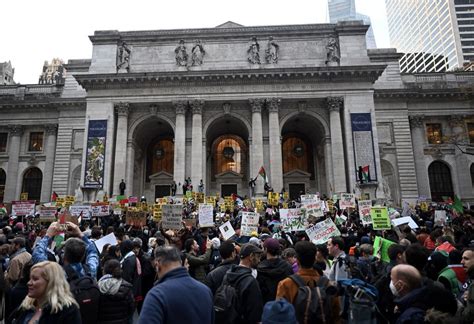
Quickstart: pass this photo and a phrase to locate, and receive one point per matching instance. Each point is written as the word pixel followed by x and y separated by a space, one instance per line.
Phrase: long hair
pixel 58 294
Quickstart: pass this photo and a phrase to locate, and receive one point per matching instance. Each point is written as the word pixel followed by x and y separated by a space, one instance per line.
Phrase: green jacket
pixel 450 276
pixel 198 265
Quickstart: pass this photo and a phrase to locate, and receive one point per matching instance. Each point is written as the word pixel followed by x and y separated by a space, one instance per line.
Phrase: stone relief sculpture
pixel 123 58
pixel 271 53
pixel 253 53
pixel 332 50
pixel 180 54
pixel 197 53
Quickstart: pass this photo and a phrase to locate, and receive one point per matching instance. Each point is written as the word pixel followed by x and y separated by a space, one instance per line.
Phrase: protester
pixel 197 263
pixel 18 259
pixel 339 269
pixel 215 277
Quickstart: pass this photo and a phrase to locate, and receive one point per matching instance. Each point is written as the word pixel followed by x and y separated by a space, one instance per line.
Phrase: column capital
pixel 273 104
pixel 122 109
pixel 196 106
pixel 256 104
pixel 335 103
pixel 416 121
pixel 51 129
pixel 15 130
pixel 180 107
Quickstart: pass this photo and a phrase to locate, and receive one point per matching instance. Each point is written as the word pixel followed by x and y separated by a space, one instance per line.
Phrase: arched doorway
pixel 32 181
pixel 441 184
pixel 3 179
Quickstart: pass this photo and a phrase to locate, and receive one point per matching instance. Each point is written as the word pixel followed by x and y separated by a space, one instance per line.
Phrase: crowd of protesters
pixel 193 275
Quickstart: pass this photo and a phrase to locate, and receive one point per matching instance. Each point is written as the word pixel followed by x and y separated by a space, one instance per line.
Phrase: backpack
pixel 86 293
pixel 359 302
pixel 312 304
pixel 227 304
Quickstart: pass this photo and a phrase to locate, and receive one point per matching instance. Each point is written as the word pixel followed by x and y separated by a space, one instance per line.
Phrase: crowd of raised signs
pixel 387 265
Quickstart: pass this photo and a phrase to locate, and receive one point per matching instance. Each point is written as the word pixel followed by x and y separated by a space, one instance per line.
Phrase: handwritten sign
pixel 380 218
pixel 23 208
pixel 313 208
pixel 47 214
pixel 172 216
pixel 206 215
pixel 347 201
pixel 364 211
pixel 293 219
pixel 321 232
pixel 309 198
pixel 249 223
pixel 100 209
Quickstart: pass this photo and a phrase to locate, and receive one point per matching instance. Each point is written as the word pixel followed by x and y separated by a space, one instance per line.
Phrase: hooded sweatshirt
pixel 270 273
pixel 117 303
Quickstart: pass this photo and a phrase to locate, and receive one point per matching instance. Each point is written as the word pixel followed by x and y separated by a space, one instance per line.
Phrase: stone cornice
pixel 422 94
pixel 368 73
pixel 45 103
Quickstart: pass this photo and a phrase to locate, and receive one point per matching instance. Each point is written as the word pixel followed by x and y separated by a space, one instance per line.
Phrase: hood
pixel 274 268
pixel 236 272
pixel 109 285
pixel 411 299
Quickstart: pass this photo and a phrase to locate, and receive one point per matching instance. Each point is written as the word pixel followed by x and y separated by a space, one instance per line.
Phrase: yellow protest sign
pixel 286 195
pixel 24 196
pixel 259 205
pixel 60 201
pixel 273 198
pixel 285 205
pixel 200 197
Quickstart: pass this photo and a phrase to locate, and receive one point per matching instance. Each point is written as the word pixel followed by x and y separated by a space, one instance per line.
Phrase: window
pixel 440 181
pixel 297 154
pixel 3 142
pixel 160 157
pixel 229 153
pixel 36 142
pixel 32 180
pixel 470 131
pixel 433 131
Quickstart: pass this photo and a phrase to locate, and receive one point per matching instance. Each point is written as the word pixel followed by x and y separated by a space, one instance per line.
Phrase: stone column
pixel 196 151
pixel 418 139
pixel 335 104
pixel 122 109
pixel 180 142
pixel 257 143
pixel 130 168
pixel 15 132
pixel 328 165
pixel 276 163
pixel 463 172
pixel 50 150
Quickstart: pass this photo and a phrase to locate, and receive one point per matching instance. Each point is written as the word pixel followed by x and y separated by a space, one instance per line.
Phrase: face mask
pixel 393 289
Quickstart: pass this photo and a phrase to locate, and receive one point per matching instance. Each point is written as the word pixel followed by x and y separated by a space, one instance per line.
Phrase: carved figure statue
pixel 271 53
pixel 181 55
pixel 123 57
pixel 197 53
pixel 122 187
pixel 332 50
pixel 253 53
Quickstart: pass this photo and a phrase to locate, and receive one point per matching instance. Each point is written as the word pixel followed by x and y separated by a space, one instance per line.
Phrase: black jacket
pixel 69 315
pixel 130 274
pixel 250 297
pixel 215 277
pixel 270 273
pixel 115 306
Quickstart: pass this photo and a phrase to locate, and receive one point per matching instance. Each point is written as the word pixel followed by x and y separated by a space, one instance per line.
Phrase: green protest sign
pixel 381 246
pixel 380 218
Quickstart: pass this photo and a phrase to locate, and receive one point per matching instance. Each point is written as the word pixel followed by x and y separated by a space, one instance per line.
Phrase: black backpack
pixel 87 294
pixel 312 304
pixel 227 305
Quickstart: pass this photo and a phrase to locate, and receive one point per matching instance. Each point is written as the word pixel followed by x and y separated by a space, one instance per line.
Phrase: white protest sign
pixel 313 208
pixel 172 216
pixel 293 219
pixel 440 217
pixel 364 211
pixel 47 213
pixel 227 230
pixel 405 220
pixel 347 200
pixel 100 210
pixel 321 232
pixel 309 198
pixel 249 223
pixel 108 239
pixel 23 208
pixel 206 215
pixel 80 210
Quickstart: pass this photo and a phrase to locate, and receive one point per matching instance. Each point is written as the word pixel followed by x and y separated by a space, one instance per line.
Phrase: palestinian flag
pixel 54 196
pixel 457 205
pixel 263 174
pixel 365 173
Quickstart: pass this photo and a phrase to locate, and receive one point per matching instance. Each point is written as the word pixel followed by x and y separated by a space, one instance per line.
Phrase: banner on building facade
pixel 95 159
pixel 363 142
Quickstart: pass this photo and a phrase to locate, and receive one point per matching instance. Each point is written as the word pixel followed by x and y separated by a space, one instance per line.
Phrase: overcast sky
pixel 34 31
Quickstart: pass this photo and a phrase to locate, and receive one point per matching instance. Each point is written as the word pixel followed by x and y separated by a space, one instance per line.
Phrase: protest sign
pixel 23 208
pixel 47 214
pixel 440 217
pixel 136 218
pixel 132 200
pixel 286 195
pixel 206 215
pixel 347 201
pixel 309 198
pixel 157 212
pixel 380 218
pixel 293 219
pixel 249 223
pixel 172 216
pixel 100 209
pixel 321 232
pixel 108 239
pixel 273 198
pixel 200 197
pixel 405 220
pixel 80 210
pixel 364 211
pixel 313 208
pixel 381 246
pixel 24 196
pixel 227 230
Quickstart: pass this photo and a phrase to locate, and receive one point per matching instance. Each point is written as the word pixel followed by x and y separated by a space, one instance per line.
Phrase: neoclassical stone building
pixel 309 103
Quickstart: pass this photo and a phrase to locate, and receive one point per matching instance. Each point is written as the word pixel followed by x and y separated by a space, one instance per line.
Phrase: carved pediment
pixel 229 175
pixel 297 174
pixel 161 176
pixel 229 24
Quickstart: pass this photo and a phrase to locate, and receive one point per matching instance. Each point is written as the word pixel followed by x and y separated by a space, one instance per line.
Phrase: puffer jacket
pixel 117 303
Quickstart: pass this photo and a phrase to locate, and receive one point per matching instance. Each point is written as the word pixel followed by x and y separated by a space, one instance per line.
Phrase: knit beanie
pixel 279 311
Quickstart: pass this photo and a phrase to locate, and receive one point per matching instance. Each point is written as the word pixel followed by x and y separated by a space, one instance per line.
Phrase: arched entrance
pixel 32 181
pixel 3 179
pixel 441 184
pixel 227 158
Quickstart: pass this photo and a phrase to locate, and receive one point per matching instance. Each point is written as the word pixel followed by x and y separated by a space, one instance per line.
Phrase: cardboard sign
pixel 172 216
pixel 47 214
pixel 293 219
pixel 380 218
pixel 23 208
pixel 347 200
pixel 381 246
pixel 249 223
pixel 108 239
pixel 364 211
pixel 100 209
pixel 405 220
pixel 440 217
pixel 206 218
pixel 227 230
pixel 80 210
pixel 321 232
pixel 135 218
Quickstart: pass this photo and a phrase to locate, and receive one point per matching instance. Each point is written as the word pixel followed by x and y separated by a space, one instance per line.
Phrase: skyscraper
pixel 435 36
pixel 346 10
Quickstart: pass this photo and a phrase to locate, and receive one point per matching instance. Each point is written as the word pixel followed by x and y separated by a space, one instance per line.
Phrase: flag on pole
pixel 263 174
pixel 365 173
pixel 54 196
pixel 457 206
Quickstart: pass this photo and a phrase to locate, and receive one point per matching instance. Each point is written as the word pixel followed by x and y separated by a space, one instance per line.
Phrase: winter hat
pixel 279 311
pixel 216 243
pixel 254 241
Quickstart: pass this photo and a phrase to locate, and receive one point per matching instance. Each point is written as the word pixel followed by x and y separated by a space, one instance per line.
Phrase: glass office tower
pixel 465 19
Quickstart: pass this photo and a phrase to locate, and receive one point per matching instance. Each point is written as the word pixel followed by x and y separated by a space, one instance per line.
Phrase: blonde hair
pixel 58 294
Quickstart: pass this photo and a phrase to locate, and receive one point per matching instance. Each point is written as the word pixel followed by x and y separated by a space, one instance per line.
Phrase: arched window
pixel 229 154
pixel 3 179
pixel 297 154
pixel 160 157
pixel 32 180
pixel 440 181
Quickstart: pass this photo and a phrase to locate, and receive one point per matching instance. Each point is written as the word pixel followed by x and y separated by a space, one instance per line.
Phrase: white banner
pixel 309 198
pixel 76 210
pixel 172 216
pixel 347 200
pixel 48 213
pixel 313 208
pixel 23 208
pixel 293 219
pixel 100 210
pixel 364 211
pixel 321 232
pixel 249 223
pixel 227 230
pixel 206 215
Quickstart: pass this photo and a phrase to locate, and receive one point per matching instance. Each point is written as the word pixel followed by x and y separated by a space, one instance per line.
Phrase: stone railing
pixel 20 91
